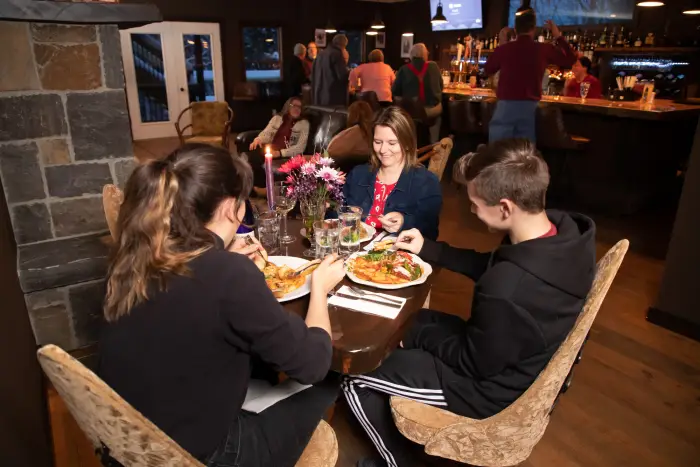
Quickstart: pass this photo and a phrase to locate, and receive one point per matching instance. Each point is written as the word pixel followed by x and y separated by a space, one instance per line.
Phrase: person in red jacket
pixel 582 74
pixel 522 64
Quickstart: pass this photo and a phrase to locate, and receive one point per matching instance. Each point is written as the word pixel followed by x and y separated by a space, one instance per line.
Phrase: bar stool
pixel 557 147
pixel 488 107
pixel 416 110
pixel 370 97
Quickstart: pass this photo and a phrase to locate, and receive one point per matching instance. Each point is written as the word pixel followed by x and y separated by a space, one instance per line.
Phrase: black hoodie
pixel 527 298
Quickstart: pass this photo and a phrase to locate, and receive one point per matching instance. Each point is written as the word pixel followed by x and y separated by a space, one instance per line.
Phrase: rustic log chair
pixel 508 437
pixel 211 123
pixel 112 198
pixel 120 433
pixel 437 154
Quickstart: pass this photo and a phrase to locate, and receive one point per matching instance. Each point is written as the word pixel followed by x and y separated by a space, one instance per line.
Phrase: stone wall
pixel 64 134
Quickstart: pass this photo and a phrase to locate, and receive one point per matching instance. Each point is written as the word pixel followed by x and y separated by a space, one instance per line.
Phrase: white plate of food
pixel 387 269
pixel 285 286
pixel 366 236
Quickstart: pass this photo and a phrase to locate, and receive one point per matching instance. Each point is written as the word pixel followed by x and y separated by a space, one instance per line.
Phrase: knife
pixel 378 302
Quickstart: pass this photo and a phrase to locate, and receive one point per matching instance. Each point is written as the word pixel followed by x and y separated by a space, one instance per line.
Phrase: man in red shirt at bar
pixel 522 64
pixel 582 74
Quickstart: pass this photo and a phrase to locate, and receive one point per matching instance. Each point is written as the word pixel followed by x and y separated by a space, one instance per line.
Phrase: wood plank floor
pixel 635 398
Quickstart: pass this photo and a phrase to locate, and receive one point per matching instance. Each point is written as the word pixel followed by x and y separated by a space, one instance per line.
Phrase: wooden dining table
pixel 360 341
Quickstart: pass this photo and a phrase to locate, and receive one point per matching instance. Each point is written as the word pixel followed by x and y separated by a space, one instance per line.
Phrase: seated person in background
pixel 187 311
pixel 422 79
pixel 393 190
pixel 286 134
pixel 353 145
pixel 374 76
pixel 527 297
pixel 582 70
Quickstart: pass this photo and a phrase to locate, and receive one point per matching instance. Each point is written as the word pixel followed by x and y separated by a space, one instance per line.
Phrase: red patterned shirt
pixel 381 193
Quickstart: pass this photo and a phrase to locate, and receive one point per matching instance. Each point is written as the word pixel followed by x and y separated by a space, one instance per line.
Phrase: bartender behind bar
pixel 522 64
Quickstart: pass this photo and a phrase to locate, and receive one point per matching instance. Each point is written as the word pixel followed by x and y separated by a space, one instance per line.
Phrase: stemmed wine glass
pixel 585 86
pixel 283 204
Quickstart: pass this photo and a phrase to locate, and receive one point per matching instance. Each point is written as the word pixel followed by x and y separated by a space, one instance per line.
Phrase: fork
pixel 362 293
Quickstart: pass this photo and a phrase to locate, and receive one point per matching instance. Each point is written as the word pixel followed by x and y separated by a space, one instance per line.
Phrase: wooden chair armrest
pixel 427 156
pixel 420 422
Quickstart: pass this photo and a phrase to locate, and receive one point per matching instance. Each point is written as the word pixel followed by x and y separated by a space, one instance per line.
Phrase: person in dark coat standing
pixel 296 76
pixel 330 74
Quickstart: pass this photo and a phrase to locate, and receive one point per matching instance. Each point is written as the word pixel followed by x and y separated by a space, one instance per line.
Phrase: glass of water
pixel 327 234
pixel 351 228
pixel 269 231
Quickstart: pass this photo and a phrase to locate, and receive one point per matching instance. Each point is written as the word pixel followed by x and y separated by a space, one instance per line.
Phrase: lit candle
pixel 269 179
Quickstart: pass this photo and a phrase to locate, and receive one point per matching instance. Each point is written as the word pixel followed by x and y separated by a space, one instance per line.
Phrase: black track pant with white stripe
pixel 407 373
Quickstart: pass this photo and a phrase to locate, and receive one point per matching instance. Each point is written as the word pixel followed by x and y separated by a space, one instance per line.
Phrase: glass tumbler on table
pixel 585 86
pixel 351 228
pixel 269 231
pixel 283 204
pixel 327 233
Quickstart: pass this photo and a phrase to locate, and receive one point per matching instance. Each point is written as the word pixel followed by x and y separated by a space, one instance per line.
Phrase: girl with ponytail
pixel 187 312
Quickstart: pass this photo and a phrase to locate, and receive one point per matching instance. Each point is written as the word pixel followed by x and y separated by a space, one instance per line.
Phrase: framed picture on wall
pixel 380 41
pixel 406 45
pixel 320 37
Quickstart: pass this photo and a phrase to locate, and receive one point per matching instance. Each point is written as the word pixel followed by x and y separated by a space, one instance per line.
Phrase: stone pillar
pixel 64 134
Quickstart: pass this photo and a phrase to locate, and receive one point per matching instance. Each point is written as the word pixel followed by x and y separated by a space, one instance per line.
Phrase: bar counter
pixel 661 109
pixel 634 151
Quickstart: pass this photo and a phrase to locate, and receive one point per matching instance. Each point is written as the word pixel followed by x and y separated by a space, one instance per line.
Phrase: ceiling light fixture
pixel 371 33
pixel 377 23
pixel 329 28
pixel 439 17
pixel 649 4
pixel 407 34
pixel 693 9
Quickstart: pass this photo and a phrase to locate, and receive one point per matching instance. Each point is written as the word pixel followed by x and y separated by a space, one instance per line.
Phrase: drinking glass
pixel 310 213
pixel 585 86
pixel 283 204
pixel 351 224
pixel 327 233
pixel 269 231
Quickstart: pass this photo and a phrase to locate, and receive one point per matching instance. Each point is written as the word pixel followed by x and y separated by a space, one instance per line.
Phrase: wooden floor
pixel 635 398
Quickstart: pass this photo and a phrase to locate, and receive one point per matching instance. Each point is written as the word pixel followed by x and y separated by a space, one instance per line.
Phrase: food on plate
pixel 350 238
pixel 283 280
pixel 384 244
pixel 385 267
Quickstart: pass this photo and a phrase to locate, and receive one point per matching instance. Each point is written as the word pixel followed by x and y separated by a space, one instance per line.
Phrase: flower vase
pixel 312 210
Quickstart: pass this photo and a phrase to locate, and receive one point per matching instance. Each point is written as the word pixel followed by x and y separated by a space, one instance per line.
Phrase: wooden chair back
pixel 508 437
pixel 108 421
pixel 118 431
pixel 112 199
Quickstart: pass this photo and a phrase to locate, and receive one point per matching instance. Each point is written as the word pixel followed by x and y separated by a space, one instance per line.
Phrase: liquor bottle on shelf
pixel 603 38
pixel 629 40
pixel 649 41
pixel 495 41
pixel 612 38
pixel 638 42
pixel 540 38
pixel 620 41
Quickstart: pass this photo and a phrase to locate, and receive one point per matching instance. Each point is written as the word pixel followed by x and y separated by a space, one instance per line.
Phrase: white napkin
pixel 262 394
pixel 378 238
pixel 363 306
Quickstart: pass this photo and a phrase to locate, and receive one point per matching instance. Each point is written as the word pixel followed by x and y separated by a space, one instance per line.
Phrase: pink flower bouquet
pixel 313 179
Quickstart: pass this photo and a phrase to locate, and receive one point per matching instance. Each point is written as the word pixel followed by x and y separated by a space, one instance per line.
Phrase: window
pixel 261 54
pixel 199 67
pixel 355 47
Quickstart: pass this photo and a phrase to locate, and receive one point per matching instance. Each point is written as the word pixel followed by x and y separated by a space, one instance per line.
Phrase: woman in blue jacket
pixel 393 190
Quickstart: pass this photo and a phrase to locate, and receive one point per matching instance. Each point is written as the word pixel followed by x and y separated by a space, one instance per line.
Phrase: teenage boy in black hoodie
pixel 527 296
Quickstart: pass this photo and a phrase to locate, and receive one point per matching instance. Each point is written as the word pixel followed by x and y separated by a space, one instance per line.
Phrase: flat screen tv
pixel 460 14
pixel 577 12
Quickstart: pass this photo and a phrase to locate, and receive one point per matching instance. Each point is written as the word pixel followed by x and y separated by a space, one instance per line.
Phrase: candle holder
pixel 269 180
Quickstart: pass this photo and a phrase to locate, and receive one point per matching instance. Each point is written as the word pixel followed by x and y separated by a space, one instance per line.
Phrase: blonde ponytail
pixel 146 250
